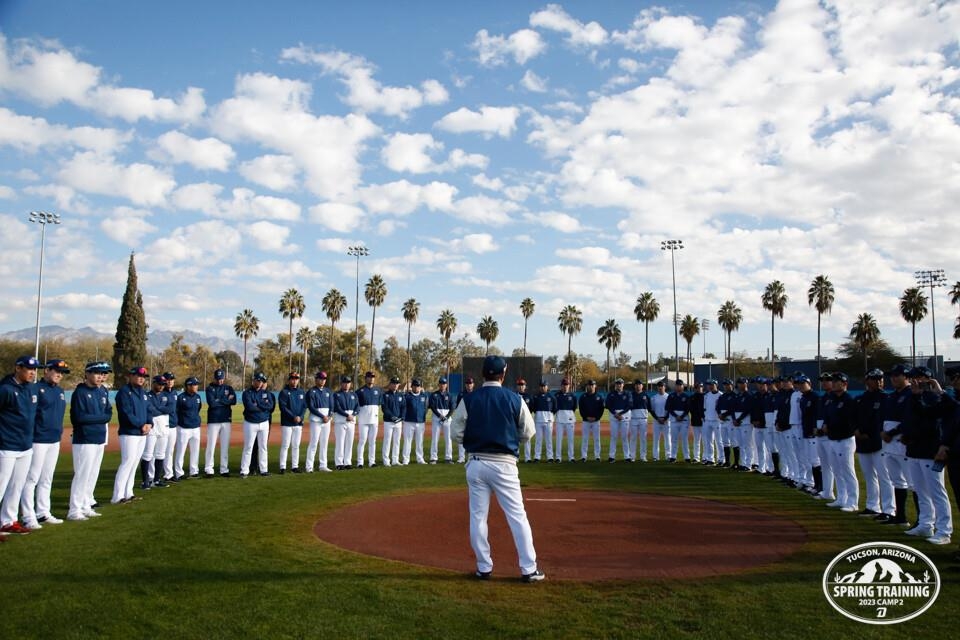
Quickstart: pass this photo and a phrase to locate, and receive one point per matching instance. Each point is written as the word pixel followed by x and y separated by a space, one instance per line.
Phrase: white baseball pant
pixel 638 430
pixel 319 442
pixel 217 432
pixel 86 470
pixel 36 489
pixel 619 430
pixel 391 443
pixel 187 438
pixel 14 467
pixel 258 431
pixel 413 431
pixel 343 432
pixel 290 436
pixel 931 496
pixel 566 426
pixel 590 430
pixel 131 451
pixel 440 432
pixel 679 430
pixel 661 430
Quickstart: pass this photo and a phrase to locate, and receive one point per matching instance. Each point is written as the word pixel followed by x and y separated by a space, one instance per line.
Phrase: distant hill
pixel 157 340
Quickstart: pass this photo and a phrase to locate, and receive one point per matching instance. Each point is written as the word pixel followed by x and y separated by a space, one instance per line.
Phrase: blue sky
pixel 484 153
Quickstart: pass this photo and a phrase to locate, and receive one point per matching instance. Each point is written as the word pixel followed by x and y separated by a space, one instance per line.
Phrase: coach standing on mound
pixel 491 423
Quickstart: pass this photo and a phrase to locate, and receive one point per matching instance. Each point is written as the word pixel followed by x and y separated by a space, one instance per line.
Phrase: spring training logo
pixel 881 583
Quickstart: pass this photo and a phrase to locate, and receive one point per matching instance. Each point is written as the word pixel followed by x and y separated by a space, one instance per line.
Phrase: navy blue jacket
pixel 678 406
pixel 188 410
pixel 293 404
pixel 591 406
pixel 460 396
pixel 783 409
pixel 528 399
pixel 897 409
pixel 319 398
pixel 924 431
pixel 171 405
pixel 725 405
pixel 809 413
pixel 696 410
pixel 344 401
pixel 415 407
pixel 90 411
pixel 870 421
pixel 742 408
pixel 492 421
pixel 220 397
pixel 51 406
pixel 131 410
pixel 156 404
pixel 440 400
pixel 566 401
pixel 258 405
pixel 840 420
pixel 758 409
pixel 545 402
pixel 18 414
pixel 619 401
pixel 640 400
pixel 391 403
pixel 368 396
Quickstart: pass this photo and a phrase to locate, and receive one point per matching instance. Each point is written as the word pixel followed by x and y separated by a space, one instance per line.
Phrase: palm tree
pixel 729 318
pixel 865 334
pixel 333 304
pixel 609 336
pixel 375 293
pixel 411 311
pixel 446 325
pixel 246 326
pixel 305 339
pixel 488 330
pixel 913 309
pixel 291 306
pixel 646 311
pixel 526 308
pixel 774 300
pixel 955 293
pixel 689 327
pixel 821 295
pixel 570 322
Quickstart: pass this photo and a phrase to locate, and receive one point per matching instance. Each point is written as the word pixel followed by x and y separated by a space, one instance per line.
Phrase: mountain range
pixel 157 340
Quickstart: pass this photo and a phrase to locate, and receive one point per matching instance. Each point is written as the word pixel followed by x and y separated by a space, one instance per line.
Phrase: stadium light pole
pixel 43 219
pixel 705 326
pixel 673 246
pixel 932 278
pixel 357 250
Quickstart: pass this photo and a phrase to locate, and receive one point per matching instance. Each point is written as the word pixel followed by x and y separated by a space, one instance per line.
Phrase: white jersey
pixel 710 405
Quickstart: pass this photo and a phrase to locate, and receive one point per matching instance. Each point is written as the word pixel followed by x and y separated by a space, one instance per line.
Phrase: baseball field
pixel 231 557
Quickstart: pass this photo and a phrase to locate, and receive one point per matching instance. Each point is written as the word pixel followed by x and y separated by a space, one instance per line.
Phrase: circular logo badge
pixel 881 583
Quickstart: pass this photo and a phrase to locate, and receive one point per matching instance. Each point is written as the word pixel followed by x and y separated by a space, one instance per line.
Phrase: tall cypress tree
pixel 130 349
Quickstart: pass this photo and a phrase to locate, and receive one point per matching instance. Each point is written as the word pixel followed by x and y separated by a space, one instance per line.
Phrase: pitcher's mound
pixel 579 535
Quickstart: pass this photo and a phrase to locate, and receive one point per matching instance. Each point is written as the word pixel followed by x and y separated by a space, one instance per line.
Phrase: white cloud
pixel 364 92
pixel 501 121
pixel 81 301
pixel 7 193
pixel 66 198
pixel 274 172
pixel 522 46
pixel 533 82
pixel 474 243
pixel 268 236
pixel 48 74
pixel 208 153
pixel 556 220
pixel 334 245
pixel 191 246
pixel 336 216
pixel 554 18
pixel 243 205
pixel 483 210
pixel 403 197
pixel 273 112
pixel 412 153
pixel 127 226
pixel 141 184
pixel 31 134
pixel 492 184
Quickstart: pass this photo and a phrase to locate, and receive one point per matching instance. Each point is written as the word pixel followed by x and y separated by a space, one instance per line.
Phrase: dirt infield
pixel 579 535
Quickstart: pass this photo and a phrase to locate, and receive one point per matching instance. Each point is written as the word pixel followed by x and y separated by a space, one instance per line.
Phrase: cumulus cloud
pixel 336 216
pixel 268 236
pixel 403 197
pixel 48 74
pixel 522 46
pixel 127 226
pixel 363 91
pixel 272 171
pixel 244 204
pixel 191 245
pixel 412 153
pixel 142 184
pixel 556 220
pixel 204 154
pixel 472 242
pixel 273 112
pixel 533 82
pixel 81 301
pixel 554 18
pixel 489 121
pixel 31 134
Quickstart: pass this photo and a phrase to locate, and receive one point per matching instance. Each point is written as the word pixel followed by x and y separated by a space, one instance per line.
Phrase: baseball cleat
pixel 482 575
pixel 50 520
pixel 921 532
pixel 536 576
pixel 941 539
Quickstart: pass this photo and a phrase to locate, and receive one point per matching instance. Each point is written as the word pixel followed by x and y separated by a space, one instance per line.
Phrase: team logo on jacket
pixel 881 583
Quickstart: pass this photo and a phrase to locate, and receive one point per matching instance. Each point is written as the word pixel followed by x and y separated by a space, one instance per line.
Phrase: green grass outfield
pixel 229 558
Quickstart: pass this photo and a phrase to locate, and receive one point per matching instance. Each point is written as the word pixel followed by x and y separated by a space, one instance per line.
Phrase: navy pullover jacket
pixel 440 400
pixel 90 411
pixel 220 397
pixel 257 405
pixel 18 414
pixel 678 406
pixel 344 401
pixel 870 421
pixel 131 410
pixel 725 405
pixel 591 406
pixel 391 402
pixel 293 404
pixel 742 406
pixel 619 402
pixel 156 404
pixel 51 406
pixel 809 413
pixel 544 402
pixel 897 409
pixel 171 405
pixel 415 407
pixel 188 410
pixel 841 417
pixel 566 401
pixel 319 398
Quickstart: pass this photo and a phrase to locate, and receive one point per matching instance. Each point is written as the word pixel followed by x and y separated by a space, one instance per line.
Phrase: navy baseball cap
pixel 219 374
pixel 97 367
pixel 841 377
pixel 259 377
pixel 662 383
pixel 293 376
pixel 191 381
pixel 801 379
pixel 635 382
pixel 138 371
pixel 369 374
pixel 591 382
pixel 394 380
pixel 494 366
pixel 743 380
pixel 159 379
pixel 321 375
pixel 874 374
pixel 617 381
pixel 899 370
pixel 169 376
pixel 469 380
pixel 442 380
pixel 58 365
pixel 920 372
pixel 28 362
pixel 826 376
pixel 345 379
pixel 678 382
pixel 416 382
pixel 712 381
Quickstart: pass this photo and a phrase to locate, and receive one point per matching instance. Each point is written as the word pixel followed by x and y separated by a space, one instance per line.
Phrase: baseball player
pixel 823 442
pixel 678 409
pixel 155 448
pixel 742 410
pixel 639 418
pixel 293 404
pixel 618 403
pixel 896 412
pixel 392 402
pixel 696 419
pixel 566 420
pixel 368 420
pixel 712 444
pixel 345 405
pixel 414 421
pixel 758 417
pixel 591 410
pixel 188 429
pixel 788 462
pixel 491 423
pixel 18 417
pixel 48 429
pixel 173 434
pixel 319 404
pixel 661 422
pixel 221 397
pixel 521 387
pixel 441 411
pixel 468 385
pixel 725 405
pixel 840 422
pixel 869 427
pixel 134 425
pixel 811 477
pixel 258 405
pixel 544 414
pixel 90 412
